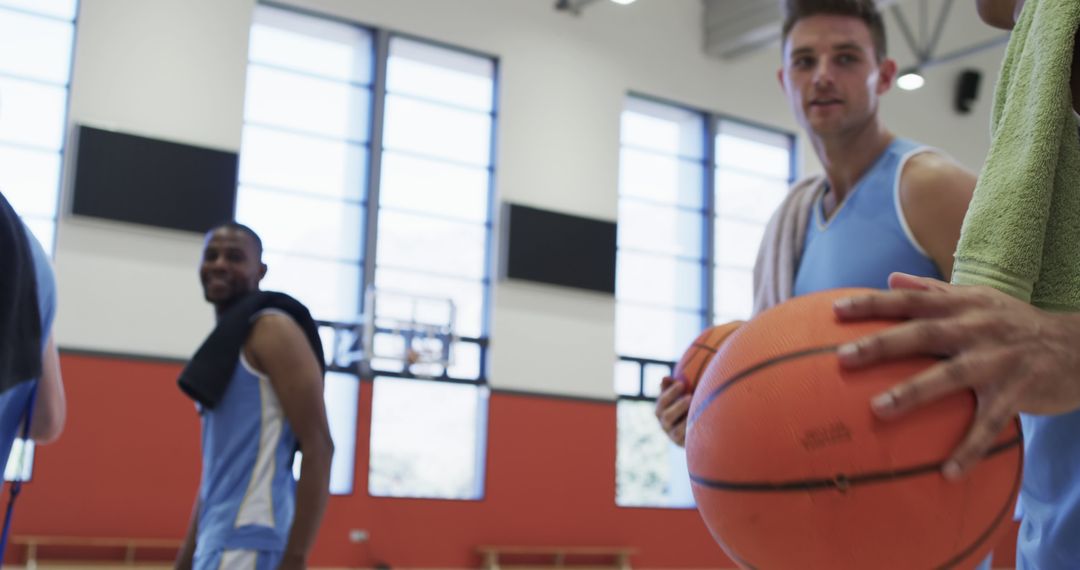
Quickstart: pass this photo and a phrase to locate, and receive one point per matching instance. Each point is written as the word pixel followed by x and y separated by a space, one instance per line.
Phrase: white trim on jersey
pixel 257 508
pixel 896 198
pixel 238 560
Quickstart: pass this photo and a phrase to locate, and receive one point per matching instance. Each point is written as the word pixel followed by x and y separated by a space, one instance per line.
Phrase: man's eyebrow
pixel 848 46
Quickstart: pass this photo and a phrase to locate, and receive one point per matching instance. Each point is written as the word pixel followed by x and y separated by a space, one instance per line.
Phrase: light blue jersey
pixel 247 494
pixel 13 402
pixel 1049 537
pixel 867 237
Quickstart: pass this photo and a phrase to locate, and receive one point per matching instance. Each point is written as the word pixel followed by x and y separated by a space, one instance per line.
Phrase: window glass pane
pixel 437 246
pixel 654 373
pixel 659 334
pixel 467 295
pixel 434 187
pixel 307 104
pixel 657 280
pixel 663 128
pixel 30 179
pixel 748 153
pixel 737 242
pixel 330 289
pixel 342 394
pixel 734 294
pixel 650 471
pixel 35 48
pixel 277 159
pixel 466 364
pixel 44 229
pixel 294 223
pixel 55 8
pixel 663 179
pixel 439 74
pixel 33 114
pixel 427 439
pixel 627 378
pixel 313 45
pixel 748 197
pixel 658 229
pixel 437 131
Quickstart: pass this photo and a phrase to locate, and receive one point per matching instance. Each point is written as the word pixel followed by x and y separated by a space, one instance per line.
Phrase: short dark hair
pixel 234 225
pixel 865 10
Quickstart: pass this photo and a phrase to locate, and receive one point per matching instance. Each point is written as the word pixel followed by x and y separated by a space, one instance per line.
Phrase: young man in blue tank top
pixel 50 407
pixel 249 512
pixel 1017 359
pixel 884 202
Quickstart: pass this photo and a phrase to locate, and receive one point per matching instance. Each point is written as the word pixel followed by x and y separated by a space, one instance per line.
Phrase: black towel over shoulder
pixel 20 317
pixel 208 373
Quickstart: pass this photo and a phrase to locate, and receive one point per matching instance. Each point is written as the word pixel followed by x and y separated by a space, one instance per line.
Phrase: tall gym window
pixel 36 43
pixel 366 163
pixel 695 192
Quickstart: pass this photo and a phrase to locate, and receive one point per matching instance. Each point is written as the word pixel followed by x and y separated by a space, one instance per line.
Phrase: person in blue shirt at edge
pixel 1019 359
pixel 250 512
pixel 29 363
pixel 883 204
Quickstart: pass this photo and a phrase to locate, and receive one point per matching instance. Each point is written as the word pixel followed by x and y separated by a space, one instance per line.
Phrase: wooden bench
pixel 129 545
pixel 579 557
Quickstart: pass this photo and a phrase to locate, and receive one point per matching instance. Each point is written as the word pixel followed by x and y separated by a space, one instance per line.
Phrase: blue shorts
pixel 238 560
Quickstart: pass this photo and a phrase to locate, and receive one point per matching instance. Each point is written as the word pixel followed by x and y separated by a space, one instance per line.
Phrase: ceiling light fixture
pixel 910 80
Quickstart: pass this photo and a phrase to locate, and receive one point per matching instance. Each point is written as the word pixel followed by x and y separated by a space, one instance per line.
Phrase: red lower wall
pixel 128 466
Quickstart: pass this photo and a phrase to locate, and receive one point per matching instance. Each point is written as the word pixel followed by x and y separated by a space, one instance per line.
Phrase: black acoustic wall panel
pixel 560 249
pixel 136 179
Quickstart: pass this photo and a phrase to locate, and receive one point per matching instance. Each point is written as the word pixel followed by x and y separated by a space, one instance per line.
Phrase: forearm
pixel 50 406
pixel 185 559
pixel 312 491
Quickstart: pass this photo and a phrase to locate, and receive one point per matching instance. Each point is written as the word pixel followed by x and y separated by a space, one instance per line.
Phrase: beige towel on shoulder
pixel 781 246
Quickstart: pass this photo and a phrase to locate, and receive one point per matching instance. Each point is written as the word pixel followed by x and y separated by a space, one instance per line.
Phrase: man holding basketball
pixel 1018 359
pixel 884 202
pixel 258 381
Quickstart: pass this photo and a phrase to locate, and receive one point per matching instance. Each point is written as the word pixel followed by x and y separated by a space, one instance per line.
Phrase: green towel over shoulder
pixel 1021 234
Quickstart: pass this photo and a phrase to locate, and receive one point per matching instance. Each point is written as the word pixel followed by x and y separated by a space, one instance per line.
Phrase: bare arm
pixel 279 348
pixel 185 559
pixel 934 194
pixel 50 407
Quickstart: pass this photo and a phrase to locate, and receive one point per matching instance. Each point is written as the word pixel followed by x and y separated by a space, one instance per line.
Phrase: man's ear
pixel 886 75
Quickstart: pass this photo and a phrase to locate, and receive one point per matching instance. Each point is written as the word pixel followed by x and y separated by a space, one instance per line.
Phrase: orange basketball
pixel 791 469
pixel 693 362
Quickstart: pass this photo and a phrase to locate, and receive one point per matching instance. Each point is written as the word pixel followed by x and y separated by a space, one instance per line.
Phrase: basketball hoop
pixel 400 333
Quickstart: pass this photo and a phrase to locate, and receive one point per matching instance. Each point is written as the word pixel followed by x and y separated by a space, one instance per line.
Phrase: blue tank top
pixel 867 237
pixel 247 494
pixel 13 402
pixel 1049 537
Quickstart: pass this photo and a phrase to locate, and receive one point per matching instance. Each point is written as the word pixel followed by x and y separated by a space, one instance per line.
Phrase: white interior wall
pixel 174 69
